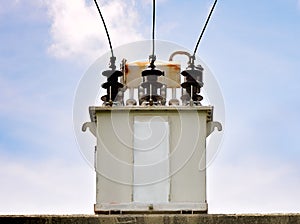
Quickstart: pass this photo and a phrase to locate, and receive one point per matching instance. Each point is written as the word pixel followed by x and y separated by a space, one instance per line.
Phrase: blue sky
pixel 252 48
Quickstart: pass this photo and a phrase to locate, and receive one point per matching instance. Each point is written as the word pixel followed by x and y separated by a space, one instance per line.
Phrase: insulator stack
pixel 112 86
pixel 150 89
pixel 192 85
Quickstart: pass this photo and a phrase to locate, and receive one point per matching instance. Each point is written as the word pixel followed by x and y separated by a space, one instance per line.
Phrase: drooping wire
pixel 107 34
pixel 153 29
pixel 153 57
pixel 203 30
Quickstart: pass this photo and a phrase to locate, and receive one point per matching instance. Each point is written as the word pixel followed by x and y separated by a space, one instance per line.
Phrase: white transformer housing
pixel 151 158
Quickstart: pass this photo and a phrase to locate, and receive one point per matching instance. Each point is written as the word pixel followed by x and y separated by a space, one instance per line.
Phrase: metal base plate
pixel 156 208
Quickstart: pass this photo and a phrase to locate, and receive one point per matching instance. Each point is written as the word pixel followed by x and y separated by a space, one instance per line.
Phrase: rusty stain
pixel 126 69
pixel 174 66
pixel 144 64
pixel 141 63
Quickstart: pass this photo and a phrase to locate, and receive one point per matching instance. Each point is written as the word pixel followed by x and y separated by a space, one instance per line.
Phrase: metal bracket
pixel 91 126
pixel 211 125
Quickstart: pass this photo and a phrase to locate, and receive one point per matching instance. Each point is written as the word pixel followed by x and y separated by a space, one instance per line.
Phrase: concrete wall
pixel 153 219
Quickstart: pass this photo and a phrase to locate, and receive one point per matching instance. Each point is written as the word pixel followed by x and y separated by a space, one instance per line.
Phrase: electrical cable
pixel 110 45
pixel 153 29
pixel 203 30
pixel 152 57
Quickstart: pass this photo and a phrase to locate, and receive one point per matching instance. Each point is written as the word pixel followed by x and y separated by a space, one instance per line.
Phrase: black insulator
pixel 193 84
pixel 153 72
pixel 151 86
pixel 112 85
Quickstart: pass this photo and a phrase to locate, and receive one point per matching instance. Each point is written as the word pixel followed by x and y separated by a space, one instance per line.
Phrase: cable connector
pixel 112 63
pixel 152 59
pixel 191 62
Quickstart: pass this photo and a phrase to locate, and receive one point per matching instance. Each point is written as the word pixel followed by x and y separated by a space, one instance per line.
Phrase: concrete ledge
pixel 152 219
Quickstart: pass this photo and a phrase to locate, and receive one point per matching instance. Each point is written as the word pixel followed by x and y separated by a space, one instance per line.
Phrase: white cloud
pixel 78 33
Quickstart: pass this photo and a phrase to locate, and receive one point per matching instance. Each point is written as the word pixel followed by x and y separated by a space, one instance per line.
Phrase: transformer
pixel 150 152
